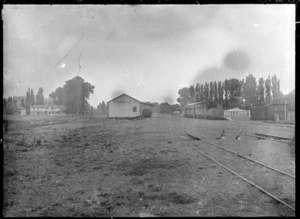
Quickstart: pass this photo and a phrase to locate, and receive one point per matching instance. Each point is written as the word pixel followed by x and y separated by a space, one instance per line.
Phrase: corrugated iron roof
pixel 192 104
pixel 125 95
pixel 235 109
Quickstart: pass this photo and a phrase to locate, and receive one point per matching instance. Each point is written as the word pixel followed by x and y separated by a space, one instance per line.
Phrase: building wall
pixel 275 108
pixel 216 112
pixel 258 113
pixel 123 107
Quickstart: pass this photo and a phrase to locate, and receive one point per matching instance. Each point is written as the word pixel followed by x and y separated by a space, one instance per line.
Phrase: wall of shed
pixel 122 107
pixel 270 110
pixel 200 110
pixel 258 113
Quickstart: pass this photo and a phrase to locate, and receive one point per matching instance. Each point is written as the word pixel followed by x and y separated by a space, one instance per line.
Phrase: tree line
pixel 233 92
pixel 10 104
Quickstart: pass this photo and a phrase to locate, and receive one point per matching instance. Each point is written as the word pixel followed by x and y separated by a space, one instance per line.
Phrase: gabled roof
pixel 235 109
pixel 275 103
pixel 127 96
pixel 196 103
pixel 148 104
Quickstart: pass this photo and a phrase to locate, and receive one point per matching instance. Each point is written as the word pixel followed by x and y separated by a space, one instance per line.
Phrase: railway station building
pixel 125 106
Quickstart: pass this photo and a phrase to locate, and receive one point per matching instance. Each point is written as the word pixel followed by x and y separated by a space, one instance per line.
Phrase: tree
pixel 216 92
pixel 206 91
pixel 58 96
pixel 27 102
pixel 220 91
pixel 211 91
pixel 201 92
pixel 32 99
pixel 176 107
pixel 197 90
pixel 9 105
pixel 249 89
pixel 192 91
pixel 40 97
pixel 102 108
pixel 261 90
pixel 184 96
pixel 23 102
pixel 234 88
pixel 4 106
pixel 268 89
pixel 74 95
pixel 165 108
pixel 275 88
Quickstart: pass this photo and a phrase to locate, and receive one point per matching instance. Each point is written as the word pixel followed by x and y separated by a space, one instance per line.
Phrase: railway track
pixel 279 139
pixel 263 177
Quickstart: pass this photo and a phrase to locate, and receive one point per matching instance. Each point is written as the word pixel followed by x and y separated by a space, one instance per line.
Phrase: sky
pixel 146 51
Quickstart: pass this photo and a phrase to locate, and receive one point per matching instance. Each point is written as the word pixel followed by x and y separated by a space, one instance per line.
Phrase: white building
pixel 125 106
pixel 46 109
pixel 238 114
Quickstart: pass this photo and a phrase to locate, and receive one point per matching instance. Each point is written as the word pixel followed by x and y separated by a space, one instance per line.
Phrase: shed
pixel 202 110
pixel 278 108
pixel 258 113
pixel 125 106
pixel 238 114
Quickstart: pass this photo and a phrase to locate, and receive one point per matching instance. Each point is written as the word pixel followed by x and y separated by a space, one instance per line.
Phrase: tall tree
pixel 275 90
pixel 32 98
pixel 103 107
pixel 249 89
pixel 23 102
pixel 192 91
pixel 234 87
pixel 268 89
pixel 201 92
pixel 206 91
pixel 261 90
pixel 197 90
pixel 27 102
pixel 216 92
pixel 220 91
pixel 40 97
pixel 9 105
pixel 211 91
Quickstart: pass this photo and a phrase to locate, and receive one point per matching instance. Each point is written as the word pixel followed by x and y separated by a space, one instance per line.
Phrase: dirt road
pixel 73 166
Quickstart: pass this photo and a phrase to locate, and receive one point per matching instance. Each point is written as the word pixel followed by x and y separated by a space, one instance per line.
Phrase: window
pixel 134 109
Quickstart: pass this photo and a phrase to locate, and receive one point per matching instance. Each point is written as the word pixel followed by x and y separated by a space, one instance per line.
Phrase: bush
pixel 146 113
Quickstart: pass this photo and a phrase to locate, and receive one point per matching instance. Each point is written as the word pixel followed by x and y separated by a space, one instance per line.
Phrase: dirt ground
pixel 93 166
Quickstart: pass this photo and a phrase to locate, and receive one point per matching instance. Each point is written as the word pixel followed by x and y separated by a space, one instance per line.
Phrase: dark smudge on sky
pixel 237 60
pixel 235 65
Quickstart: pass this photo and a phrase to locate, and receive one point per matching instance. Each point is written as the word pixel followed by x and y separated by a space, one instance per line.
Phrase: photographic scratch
pixel 79 66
